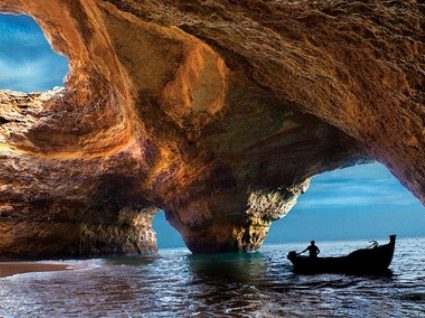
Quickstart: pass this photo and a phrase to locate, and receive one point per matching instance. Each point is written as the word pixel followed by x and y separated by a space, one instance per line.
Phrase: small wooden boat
pixel 363 261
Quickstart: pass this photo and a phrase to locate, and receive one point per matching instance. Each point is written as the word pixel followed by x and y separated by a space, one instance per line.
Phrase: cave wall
pixel 217 112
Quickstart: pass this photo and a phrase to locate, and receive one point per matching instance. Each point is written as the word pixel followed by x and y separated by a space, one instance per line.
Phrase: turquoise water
pixel 175 283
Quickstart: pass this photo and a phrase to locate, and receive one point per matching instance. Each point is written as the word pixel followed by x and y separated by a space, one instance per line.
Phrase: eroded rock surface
pixel 217 112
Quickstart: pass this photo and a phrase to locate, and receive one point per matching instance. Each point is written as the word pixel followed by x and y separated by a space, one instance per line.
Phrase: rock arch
pixel 217 112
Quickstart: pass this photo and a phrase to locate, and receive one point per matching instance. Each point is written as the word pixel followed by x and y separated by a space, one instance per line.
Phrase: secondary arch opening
pixel 166 235
pixel 360 202
pixel 27 61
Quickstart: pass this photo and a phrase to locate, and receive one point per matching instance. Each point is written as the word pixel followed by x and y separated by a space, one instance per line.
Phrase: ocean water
pixel 175 283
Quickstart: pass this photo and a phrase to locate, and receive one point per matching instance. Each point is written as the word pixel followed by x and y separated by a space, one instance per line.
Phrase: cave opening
pixel 167 236
pixel 360 202
pixel 27 61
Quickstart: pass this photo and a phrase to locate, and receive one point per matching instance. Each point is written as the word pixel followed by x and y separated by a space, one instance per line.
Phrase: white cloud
pixel 34 75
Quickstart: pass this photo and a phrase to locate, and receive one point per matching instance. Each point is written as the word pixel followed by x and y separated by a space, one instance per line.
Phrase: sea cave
pixel 216 112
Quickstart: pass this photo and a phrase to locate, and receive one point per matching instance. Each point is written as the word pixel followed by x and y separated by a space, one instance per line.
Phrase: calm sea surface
pixel 175 283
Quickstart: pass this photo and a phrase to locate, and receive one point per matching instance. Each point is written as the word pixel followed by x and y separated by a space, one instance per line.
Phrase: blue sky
pixel 27 62
pixel 364 201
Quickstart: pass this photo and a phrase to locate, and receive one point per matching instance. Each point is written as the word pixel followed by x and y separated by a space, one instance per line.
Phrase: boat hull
pixel 370 260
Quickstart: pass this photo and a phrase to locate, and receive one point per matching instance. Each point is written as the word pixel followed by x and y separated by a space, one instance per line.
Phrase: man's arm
pixel 303 251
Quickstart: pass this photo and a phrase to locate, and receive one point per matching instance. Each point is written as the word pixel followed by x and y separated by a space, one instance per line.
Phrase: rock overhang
pixel 210 111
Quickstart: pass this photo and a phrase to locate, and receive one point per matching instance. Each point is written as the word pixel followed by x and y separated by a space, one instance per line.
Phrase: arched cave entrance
pixel 166 235
pixel 360 202
pixel 27 61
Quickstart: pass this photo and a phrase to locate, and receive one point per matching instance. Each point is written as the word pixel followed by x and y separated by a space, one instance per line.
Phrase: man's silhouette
pixel 312 249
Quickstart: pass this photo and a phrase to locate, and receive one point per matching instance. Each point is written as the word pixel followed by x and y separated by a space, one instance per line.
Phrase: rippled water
pixel 178 284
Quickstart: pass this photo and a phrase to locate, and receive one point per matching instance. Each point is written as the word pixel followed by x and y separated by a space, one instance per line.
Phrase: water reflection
pixel 132 260
pixel 226 282
pixel 235 267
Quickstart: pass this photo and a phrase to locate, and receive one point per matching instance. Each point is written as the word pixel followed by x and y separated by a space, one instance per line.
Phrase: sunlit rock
pixel 217 112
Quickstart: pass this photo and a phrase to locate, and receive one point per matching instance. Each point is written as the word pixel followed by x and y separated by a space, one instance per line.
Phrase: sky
pixel 27 62
pixel 360 202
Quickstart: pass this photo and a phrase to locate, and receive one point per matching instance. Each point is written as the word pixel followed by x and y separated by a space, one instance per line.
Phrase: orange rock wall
pixel 217 112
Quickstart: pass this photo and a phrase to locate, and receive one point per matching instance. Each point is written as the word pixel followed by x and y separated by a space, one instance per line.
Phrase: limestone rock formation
pixel 217 112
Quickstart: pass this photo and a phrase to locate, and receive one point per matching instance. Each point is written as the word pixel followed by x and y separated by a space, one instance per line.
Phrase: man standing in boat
pixel 312 249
